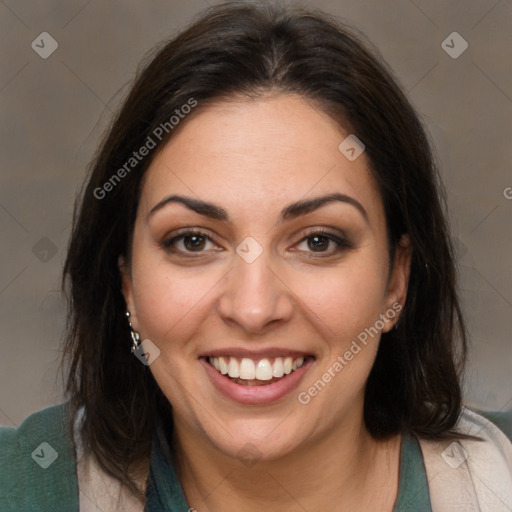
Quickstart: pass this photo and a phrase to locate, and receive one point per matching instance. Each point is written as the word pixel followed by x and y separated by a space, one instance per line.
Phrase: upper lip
pixel 254 354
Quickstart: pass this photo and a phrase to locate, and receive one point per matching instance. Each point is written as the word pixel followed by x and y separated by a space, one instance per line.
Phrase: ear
pixel 399 280
pixel 126 288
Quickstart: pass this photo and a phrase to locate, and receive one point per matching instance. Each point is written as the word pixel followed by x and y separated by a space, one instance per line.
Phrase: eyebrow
pixel 290 212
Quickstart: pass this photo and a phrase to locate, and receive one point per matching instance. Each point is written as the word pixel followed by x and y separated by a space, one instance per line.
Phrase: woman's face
pixel 271 278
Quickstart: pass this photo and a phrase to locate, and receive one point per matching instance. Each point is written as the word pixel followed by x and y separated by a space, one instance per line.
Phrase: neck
pixel 346 469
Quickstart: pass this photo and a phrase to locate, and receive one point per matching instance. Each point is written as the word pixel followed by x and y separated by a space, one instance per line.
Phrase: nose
pixel 255 297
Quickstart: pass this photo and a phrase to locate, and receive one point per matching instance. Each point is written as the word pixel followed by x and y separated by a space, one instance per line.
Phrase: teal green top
pixel 25 484
pixel 38 468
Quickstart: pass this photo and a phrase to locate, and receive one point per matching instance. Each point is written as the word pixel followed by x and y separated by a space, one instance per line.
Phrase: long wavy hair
pixel 242 49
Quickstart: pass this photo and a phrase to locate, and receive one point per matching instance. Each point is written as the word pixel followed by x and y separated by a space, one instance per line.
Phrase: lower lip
pixel 256 395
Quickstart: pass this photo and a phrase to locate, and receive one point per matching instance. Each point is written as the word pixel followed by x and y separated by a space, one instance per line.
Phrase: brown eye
pixel 188 242
pixel 318 242
pixel 194 242
pixel 321 242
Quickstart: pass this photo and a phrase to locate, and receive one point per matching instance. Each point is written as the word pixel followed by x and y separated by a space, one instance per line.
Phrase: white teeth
pixel 249 370
pixel 223 366
pixel 233 368
pixel 264 370
pixel 278 370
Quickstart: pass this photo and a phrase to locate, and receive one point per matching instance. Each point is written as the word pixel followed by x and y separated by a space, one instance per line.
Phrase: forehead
pixel 247 153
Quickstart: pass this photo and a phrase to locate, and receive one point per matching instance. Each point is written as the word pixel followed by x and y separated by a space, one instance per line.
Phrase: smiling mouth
pixel 260 372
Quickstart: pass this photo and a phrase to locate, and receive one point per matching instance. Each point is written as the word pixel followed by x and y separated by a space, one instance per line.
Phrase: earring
pixel 135 335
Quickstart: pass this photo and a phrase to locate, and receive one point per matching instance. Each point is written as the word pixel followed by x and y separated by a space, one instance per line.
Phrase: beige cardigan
pixel 463 476
pixel 470 476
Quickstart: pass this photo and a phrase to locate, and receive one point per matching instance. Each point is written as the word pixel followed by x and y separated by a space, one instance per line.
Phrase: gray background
pixel 55 110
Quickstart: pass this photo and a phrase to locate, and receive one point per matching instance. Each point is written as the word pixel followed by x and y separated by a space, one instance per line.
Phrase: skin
pixel 253 158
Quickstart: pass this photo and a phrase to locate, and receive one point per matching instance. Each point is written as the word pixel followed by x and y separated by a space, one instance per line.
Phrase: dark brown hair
pixel 254 49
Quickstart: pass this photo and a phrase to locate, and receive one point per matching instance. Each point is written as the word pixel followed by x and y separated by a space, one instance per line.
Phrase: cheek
pixel 167 299
pixel 344 307
pixel 344 301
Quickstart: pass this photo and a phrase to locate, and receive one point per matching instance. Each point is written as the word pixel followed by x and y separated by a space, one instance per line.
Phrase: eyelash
pixel 342 243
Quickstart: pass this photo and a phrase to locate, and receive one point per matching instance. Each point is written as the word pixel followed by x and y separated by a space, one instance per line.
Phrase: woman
pixel 264 230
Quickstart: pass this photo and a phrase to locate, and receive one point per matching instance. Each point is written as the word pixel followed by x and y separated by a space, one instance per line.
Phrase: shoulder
pixel 467 474
pixel 502 419
pixel 38 464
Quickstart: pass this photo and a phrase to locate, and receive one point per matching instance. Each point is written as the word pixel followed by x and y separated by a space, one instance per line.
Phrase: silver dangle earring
pixel 135 335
